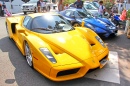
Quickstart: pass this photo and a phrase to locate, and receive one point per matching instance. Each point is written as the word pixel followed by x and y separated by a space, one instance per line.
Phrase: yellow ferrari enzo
pixel 56 49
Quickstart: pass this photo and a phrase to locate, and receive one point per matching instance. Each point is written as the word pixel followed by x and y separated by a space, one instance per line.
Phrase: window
pixel 50 24
pixel 68 13
pixel 90 7
pixel 27 22
pixel 76 15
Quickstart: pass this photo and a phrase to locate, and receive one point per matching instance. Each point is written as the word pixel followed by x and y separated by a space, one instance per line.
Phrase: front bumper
pixel 112 32
pixel 77 70
pixel 28 9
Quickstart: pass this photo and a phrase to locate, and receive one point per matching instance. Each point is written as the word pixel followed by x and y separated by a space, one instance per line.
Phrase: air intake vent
pixel 92 44
pixel 67 72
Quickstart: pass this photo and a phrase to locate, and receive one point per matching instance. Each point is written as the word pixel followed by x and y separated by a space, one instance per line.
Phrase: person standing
pixel 60 5
pixel 43 6
pixel 127 27
pixel 101 9
pixel 39 5
pixel 66 6
pixel 79 4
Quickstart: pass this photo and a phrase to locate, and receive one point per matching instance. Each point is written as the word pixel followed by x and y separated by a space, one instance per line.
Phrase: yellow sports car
pixel 56 49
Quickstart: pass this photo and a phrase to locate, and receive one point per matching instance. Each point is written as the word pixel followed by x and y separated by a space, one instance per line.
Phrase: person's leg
pixel 39 9
pixel 43 9
pixel 2 12
pixel 126 26
pixel 128 33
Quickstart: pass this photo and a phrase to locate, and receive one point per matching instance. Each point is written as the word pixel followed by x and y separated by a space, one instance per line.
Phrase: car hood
pixel 28 4
pixel 94 22
pixel 72 43
pixel 106 21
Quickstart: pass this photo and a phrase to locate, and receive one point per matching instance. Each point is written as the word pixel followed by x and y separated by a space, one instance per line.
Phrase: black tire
pixel 76 24
pixel 6 28
pixel 25 13
pixel 28 55
pixel 35 11
pixel 48 8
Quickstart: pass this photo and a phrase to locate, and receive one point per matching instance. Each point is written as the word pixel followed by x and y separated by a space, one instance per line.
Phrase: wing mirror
pixel 82 24
pixel 73 16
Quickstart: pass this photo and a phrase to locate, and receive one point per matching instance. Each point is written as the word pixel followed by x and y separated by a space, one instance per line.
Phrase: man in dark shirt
pixel 39 5
pixel 79 4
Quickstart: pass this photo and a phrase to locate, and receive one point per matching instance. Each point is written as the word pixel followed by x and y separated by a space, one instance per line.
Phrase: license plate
pixel 103 62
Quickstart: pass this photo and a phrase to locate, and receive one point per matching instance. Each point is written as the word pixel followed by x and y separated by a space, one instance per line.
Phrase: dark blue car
pixel 101 26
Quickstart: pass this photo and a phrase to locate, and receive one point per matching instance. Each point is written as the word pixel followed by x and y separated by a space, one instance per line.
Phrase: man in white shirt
pixel 101 9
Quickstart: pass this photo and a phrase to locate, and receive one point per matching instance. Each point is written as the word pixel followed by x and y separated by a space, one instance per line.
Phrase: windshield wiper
pixel 47 29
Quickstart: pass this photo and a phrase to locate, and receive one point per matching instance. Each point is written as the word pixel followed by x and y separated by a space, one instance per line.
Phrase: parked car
pixel 54 48
pixel 94 3
pixel 91 9
pixel 101 26
pixel 31 6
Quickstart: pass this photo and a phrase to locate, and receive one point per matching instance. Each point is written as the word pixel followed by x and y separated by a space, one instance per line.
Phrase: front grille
pixel 67 72
pixel 25 6
pixel 103 58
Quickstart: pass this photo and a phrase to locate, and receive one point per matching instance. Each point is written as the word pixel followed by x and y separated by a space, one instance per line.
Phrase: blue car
pixel 101 26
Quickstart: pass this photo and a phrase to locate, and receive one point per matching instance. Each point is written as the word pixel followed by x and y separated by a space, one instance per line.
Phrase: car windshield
pixel 83 14
pixel 89 6
pixel 96 4
pixel 51 24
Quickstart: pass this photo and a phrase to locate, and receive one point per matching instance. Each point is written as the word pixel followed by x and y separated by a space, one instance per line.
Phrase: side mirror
pixel 82 23
pixel 72 16
pixel 20 29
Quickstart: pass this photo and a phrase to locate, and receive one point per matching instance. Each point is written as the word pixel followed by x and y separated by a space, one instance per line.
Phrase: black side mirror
pixel 72 16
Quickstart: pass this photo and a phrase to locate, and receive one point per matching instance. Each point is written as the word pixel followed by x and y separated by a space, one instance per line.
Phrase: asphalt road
pixel 14 70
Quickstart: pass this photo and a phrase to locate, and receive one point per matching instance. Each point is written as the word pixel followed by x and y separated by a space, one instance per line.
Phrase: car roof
pixel 74 9
pixel 33 15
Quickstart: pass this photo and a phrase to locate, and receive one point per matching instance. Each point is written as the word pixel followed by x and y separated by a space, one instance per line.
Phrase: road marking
pixel 110 72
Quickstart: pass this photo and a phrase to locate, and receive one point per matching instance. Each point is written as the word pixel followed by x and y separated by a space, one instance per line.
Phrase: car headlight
pixel 90 26
pixel 112 28
pixel 100 40
pixel 48 54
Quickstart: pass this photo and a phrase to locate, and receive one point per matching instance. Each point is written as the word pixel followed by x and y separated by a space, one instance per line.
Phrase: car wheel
pixel 48 8
pixel 6 28
pixel 76 25
pixel 28 55
pixel 35 10
pixel 25 13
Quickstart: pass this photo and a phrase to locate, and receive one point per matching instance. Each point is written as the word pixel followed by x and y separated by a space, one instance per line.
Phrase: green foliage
pixel 108 5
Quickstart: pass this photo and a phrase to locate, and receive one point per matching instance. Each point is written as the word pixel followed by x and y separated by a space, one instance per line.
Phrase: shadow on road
pixel 26 76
